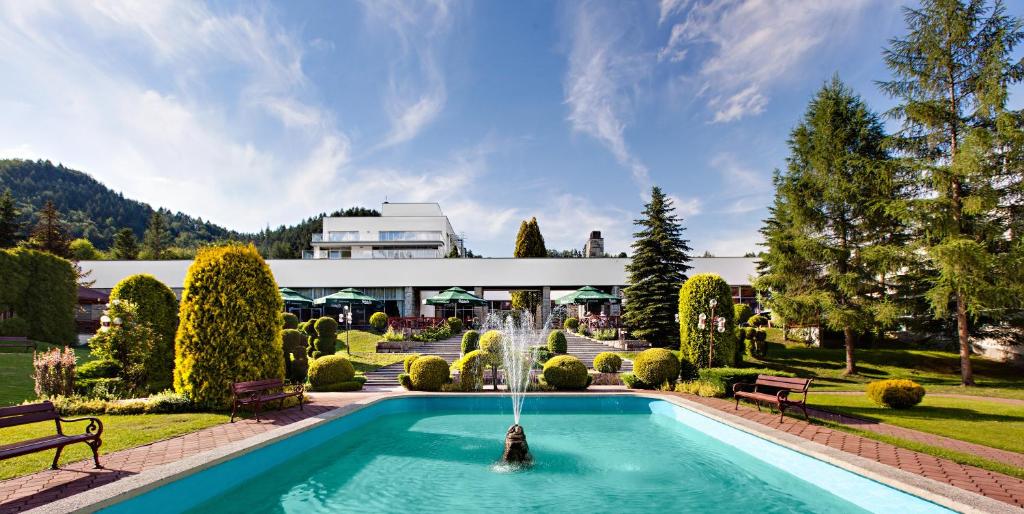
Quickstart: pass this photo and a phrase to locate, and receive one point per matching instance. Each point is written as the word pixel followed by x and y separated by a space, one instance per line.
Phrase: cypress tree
pixel 50 233
pixel 157 238
pixel 951 73
pixel 10 228
pixel 829 244
pixel 656 272
pixel 125 247
pixel 529 243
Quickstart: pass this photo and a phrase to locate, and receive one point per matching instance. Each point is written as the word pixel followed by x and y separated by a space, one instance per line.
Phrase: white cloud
pixel 734 243
pixel 752 44
pixel 687 207
pixel 601 78
pixel 745 189
pixel 567 219
pixel 668 8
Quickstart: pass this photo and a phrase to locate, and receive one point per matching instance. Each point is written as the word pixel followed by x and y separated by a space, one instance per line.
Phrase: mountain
pixel 95 212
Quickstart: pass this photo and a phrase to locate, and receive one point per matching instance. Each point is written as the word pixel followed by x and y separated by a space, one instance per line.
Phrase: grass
pixel 364 351
pixel 119 432
pixel 993 424
pixel 16 384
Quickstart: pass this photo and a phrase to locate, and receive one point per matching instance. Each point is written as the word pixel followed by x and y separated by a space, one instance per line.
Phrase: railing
pixel 599 322
pixel 414 323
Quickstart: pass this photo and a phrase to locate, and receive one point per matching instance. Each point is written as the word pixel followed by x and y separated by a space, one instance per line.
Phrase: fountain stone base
pixel 516 449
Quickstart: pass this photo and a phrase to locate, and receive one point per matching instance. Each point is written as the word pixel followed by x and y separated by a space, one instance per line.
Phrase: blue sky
pixel 250 114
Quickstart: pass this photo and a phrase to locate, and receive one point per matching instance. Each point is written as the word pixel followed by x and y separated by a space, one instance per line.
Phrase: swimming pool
pixel 592 453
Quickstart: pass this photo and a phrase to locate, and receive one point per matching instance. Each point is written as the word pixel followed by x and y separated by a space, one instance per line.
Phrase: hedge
pixel 42 290
pixel 557 343
pixel 566 373
pixel 156 306
pixel 429 373
pixel 895 394
pixel 230 329
pixel 331 373
pixel 694 297
pixel 379 322
pixel 470 341
pixel 607 362
pixel 656 366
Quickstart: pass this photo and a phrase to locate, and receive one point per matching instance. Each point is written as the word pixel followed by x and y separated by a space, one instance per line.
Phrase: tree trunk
pixel 851 366
pixel 966 373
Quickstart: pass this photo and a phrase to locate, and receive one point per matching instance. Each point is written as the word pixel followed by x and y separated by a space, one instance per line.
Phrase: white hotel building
pixel 399 257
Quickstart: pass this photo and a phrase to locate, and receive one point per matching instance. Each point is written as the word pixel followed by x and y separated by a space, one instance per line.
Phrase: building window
pixel 410 235
pixel 334 254
pixel 340 236
pixel 409 252
pixel 307 254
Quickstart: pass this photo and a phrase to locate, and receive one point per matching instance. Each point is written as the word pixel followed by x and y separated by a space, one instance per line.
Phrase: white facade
pixel 402 231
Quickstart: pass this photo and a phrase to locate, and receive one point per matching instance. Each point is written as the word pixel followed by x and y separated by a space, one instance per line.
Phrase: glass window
pixel 409 252
pixel 347 235
pixel 410 235
pixel 334 254
pixel 307 254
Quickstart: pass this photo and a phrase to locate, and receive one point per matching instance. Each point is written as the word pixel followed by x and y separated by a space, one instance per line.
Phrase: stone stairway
pixel 387 377
pixel 586 350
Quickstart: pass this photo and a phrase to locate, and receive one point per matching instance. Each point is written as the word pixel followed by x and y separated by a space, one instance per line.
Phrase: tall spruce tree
pixel 529 243
pixel 10 227
pixel 830 243
pixel 125 247
pixel 50 233
pixel 657 270
pixel 951 73
pixel 157 239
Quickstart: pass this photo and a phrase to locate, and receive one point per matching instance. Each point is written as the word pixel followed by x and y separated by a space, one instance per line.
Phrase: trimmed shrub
pixel 694 297
pixel 702 388
pixel 99 368
pixel 656 366
pixel 741 312
pixel 748 333
pixel 566 373
pixel 433 333
pixel 379 322
pixel 293 346
pixel 407 363
pixel 15 326
pixel 687 371
pixel 470 341
pixel 405 381
pixel 42 290
pixel 471 370
pixel 230 329
pixel 726 378
pixel 607 362
pixel 326 340
pixel 157 307
pixel 130 344
pixel 606 334
pixel 54 372
pixel 571 324
pixel 454 324
pixel 291 321
pixel 490 342
pixel 329 372
pixel 895 394
pixel 631 381
pixel 758 347
pixel 557 343
pixel 541 354
pixel 429 373
pixel 757 320
pixel 308 327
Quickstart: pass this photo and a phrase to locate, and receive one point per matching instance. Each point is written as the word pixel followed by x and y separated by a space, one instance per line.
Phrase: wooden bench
pixel 258 392
pixel 17 342
pixel 778 391
pixel 38 412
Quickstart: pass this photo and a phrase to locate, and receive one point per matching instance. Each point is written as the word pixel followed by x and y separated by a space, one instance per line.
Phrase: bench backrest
pixel 13 339
pixel 25 414
pixel 257 385
pixel 793 384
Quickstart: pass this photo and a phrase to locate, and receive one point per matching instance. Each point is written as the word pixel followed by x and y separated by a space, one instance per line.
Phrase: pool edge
pixel 931 490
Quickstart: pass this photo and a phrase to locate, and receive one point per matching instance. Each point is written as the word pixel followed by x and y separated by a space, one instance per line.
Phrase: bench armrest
pixel 782 395
pixel 740 386
pixel 94 426
pixel 298 388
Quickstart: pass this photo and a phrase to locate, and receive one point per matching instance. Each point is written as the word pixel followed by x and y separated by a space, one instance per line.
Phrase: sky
pixel 259 114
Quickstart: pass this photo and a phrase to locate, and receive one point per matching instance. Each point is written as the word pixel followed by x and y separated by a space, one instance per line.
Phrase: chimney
pixel 595 245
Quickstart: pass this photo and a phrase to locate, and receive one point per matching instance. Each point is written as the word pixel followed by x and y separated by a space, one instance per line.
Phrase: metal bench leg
pixel 782 413
pixel 56 457
pixel 737 404
pixel 806 417
pixel 95 445
pixel 234 409
pixel 257 411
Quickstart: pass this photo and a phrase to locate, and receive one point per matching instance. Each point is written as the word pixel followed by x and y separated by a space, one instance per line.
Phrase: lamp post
pixel 717 322
pixel 346 318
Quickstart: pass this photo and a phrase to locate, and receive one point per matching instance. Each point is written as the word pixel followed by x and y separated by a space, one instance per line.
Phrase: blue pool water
pixel 592 453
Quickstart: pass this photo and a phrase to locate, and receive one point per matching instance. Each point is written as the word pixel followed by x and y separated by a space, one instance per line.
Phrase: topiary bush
pixel 694 297
pixel 741 312
pixel 741 347
pixel 429 373
pixel 607 362
pixel 491 345
pixel 405 381
pixel 379 322
pixel 291 321
pixel 471 370
pixel 230 328
pixel 566 373
pixel 407 363
pixel 895 394
pixel 454 324
pixel 331 373
pixel 656 366
pixel 157 307
pixel 557 343
pixel 470 341
pixel 293 346
pixel 326 340
pixel 571 324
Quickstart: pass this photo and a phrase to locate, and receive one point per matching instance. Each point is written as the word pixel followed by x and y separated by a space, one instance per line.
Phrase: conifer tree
pixel 125 246
pixel 529 243
pixel 656 272
pixel 157 239
pixel 951 73
pixel 10 227
pixel 830 239
pixel 50 233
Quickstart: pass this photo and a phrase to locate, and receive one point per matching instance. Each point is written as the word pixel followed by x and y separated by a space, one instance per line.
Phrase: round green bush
pixel 565 372
pixel 455 324
pixel 470 341
pixel 571 324
pixel 291 321
pixel 379 321
pixel 326 340
pixel 557 343
pixel 99 368
pixel 490 343
pixel 607 362
pixel 471 370
pixel 230 328
pixel 329 372
pixel 429 373
pixel 694 299
pixel 156 306
pixel 741 312
pixel 895 394
pixel 407 363
pixel 656 366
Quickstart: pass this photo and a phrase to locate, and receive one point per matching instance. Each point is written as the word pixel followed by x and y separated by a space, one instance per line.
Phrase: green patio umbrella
pixel 588 294
pixel 348 296
pixel 455 296
pixel 293 299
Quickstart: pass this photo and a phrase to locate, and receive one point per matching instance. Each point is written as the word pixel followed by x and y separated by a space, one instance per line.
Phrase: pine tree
pixel 951 75
pixel 125 247
pixel 50 233
pixel 656 272
pixel 157 239
pixel 10 227
pixel 830 243
pixel 529 243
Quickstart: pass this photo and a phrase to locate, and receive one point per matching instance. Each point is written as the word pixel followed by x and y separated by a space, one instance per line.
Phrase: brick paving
pixel 22 493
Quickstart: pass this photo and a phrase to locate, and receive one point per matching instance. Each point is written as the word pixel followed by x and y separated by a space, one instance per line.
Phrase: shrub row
pixel 167 402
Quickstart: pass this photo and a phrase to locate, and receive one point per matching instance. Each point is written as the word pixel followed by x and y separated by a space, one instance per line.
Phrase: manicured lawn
pixel 998 425
pixel 119 432
pixel 364 347
pixel 16 384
